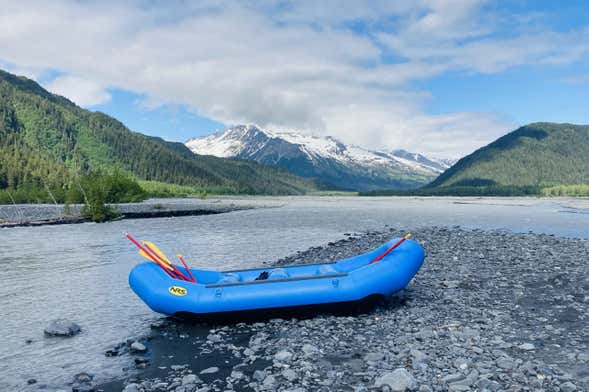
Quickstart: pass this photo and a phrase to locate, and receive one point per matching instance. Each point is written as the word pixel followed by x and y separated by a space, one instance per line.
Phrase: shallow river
pixel 80 271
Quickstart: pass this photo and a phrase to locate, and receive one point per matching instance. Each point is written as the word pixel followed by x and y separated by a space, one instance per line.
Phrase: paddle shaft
pixel 187 269
pixel 176 271
pixel 151 256
pixel 389 250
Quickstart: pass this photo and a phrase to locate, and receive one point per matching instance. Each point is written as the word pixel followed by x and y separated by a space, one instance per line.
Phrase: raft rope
pixel 151 252
pixel 389 250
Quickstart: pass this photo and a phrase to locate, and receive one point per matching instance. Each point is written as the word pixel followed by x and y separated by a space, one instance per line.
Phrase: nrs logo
pixel 177 290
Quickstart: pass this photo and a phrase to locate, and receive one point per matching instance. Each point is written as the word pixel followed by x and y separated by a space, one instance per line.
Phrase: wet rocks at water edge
pixel 62 327
pixel 132 346
pixel 141 363
pixel 489 311
pixel 82 382
pixel 137 347
pixel 83 378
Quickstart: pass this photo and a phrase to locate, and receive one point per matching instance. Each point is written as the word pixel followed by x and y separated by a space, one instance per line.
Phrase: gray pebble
pixel 259 375
pixel 527 347
pixel 283 356
pixel 210 370
pixel 399 380
pixel 190 379
pixel 138 347
pixel 269 381
pixel 568 387
pixel 131 388
pixel 289 374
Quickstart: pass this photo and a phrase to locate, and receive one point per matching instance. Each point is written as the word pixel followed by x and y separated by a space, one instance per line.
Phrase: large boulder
pixel 62 327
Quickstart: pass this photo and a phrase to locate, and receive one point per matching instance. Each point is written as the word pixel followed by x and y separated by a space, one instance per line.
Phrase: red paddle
pixel 176 270
pixel 151 256
pixel 187 269
pixel 386 252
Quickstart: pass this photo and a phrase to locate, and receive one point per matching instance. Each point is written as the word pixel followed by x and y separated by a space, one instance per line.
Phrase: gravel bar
pixel 47 214
pixel 488 311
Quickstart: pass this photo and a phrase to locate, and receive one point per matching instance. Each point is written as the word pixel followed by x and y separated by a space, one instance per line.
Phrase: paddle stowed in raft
pixel 178 290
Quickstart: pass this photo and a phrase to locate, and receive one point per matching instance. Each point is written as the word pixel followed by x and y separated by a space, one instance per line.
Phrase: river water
pixel 80 271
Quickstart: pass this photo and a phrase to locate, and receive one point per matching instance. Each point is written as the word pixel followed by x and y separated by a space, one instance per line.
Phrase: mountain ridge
pixel 326 158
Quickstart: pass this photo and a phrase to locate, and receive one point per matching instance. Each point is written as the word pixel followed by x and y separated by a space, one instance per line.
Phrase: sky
pixel 440 77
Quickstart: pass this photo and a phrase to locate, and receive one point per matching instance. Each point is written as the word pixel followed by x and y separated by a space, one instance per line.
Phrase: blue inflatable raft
pixel 263 289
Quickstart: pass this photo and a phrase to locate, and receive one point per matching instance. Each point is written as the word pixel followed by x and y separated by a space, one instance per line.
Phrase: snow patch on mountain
pixel 236 141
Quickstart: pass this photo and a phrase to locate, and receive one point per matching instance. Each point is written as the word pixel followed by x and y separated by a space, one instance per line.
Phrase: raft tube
pixel 224 292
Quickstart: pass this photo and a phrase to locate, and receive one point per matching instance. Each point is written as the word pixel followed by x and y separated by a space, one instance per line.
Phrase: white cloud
pixel 446 135
pixel 29 72
pixel 491 55
pixel 285 64
pixel 81 91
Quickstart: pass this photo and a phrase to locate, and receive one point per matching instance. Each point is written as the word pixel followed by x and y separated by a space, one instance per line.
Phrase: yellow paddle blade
pixel 157 251
pixel 407 236
pixel 142 253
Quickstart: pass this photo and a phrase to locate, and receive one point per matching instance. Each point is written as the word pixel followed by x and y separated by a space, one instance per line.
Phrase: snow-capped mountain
pixel 343 166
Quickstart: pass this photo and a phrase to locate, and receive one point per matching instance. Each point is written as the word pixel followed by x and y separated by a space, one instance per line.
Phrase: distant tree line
pixel 496 190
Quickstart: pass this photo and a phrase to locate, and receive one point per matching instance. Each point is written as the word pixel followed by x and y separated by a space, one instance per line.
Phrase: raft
pixel 261 289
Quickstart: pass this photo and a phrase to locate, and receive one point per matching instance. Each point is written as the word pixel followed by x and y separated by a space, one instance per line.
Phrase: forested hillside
pixel 545 159
pixel 46 141
pixel 538 154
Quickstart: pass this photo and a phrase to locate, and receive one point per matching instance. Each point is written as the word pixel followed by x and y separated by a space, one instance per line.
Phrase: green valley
pixel 47 143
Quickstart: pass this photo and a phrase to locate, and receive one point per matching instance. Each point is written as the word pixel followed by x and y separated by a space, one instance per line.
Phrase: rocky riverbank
pixel 489 311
